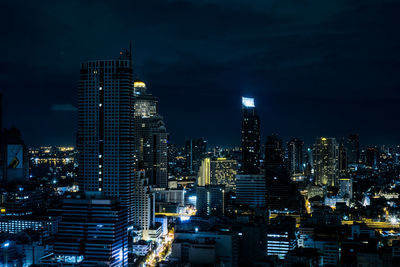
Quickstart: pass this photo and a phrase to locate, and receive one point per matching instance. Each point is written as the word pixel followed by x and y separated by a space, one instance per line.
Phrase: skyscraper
pixel 144 202
pixel 295 156
pixel 151 137
pixel 342 159
pixel 106 132
pixel 196 150
pixel 250 137
pixel 326 161
pixel 353 148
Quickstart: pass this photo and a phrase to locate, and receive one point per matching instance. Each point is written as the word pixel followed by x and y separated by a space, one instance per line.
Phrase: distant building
pixel 196 150
pixel 223 171
pixel 274 165
pixel 250 137
pixel 343 160
pixel 251 190
pixel 204 177
pixel 295 157
pixel 326 161
pixel 205 248
pixel 210 200
pixel 144 203
pixel 151 137
pixel 371 157
pixel 353 148
pixel 218 171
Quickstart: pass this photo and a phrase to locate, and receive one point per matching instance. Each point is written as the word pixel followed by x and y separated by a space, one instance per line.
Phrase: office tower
pixel 371 156
pixel 295 156
pixel 196 150
pixel 223 171
pixel 106 132
pixel 15 167
pixel 151 137
pixel 218 171
pixel 250 137
pixel 92 232
pixel 353 148
pixel 210 200
pixel 250 190
pixel 273 162
pixel 204 172
pixel 342 159
pixel 144 202
pixel 326 161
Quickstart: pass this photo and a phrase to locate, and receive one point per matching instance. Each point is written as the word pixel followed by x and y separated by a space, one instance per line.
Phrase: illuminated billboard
pixel 248 102
pixel 14 156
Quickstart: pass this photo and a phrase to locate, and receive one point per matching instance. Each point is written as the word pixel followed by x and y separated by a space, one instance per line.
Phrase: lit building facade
pixel 151 137
pixel 223 171
pixel 326 161
pixel 144 203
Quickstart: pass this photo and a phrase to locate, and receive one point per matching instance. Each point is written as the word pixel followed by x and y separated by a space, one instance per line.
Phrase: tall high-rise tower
pixel 250 137
pixel 326 161
pixel 106 132
pixel 295 156
pixel 151 137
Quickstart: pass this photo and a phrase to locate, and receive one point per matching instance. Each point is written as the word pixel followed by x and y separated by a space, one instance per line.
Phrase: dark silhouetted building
pixel 371 156
pixel 196 150
pixel 273 162
pixel 295 157
pixel 251 190
pixel 353 148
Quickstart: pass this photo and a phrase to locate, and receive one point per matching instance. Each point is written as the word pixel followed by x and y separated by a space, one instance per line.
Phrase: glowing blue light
pixel 196 229
pixel 6 245
pixel 248 102
pixel 193 198
pixel 184 218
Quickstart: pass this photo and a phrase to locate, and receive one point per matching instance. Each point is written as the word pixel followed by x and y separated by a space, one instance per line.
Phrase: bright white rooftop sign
pixel 248 102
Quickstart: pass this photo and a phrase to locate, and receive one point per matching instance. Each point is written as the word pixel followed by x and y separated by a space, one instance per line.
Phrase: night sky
pixel 315 67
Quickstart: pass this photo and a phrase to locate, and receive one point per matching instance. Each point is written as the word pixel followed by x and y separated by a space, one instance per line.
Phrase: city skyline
pixel 341 72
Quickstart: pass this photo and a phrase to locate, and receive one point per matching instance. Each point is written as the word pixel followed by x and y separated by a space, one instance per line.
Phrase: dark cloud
pixel 315 67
